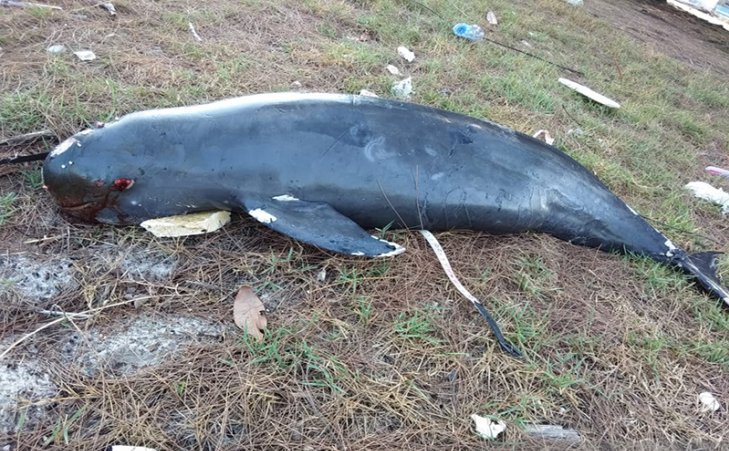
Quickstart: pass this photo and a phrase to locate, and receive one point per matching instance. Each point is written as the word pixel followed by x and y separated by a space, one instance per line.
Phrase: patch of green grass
pixel 650 347
pixel 6 206
pixel 33 178
pixel 180 388
pixel 713 352
pixel 276 263
pixel 526 408
pixel 61 430
pixel 533 275
pixel 660 278
pixel 363 309
pixel 529 328
pixel 23 111
pixel 356 56
pixel 40 13
pixel 351 278
pixel 561 381
pixel 713 314
pixel 415 327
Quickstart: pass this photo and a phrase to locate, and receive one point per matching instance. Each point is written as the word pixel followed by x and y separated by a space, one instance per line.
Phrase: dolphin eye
pixel 123 184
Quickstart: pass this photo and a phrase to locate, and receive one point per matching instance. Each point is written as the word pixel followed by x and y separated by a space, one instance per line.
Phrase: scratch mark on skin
pixel 336 141
pixel 387 199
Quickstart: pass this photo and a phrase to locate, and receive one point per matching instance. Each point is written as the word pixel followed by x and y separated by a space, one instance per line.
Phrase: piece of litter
pixel 526 44
pixel 402 89
pixel 705 191
pixel 109 7
pixel 184 225
pixel 575 2
pixel 321 276
pixel 471 32
pixel 367 93
pixel 191 27
pixel 406 54
pixel 85 55
pixel 247 312
pixel 708 402
pixel 487 428
pixel 296 85
pixel 589 93
pixel 392 69
pixel 56 49
pixel 543 135
pixel 721 172
pixel 551 431
pixel 491 18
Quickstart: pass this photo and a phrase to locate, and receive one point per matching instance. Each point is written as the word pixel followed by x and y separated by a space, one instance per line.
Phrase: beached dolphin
pixel 322 168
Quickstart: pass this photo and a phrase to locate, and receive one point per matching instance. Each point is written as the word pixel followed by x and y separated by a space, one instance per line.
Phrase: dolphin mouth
pixel 78 207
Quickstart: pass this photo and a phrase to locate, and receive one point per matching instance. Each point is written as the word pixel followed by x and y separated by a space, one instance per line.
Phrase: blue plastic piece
pixel 470 32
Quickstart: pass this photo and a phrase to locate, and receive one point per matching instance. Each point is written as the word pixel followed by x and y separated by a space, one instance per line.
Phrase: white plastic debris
pixel 526 44
pixel 109 7
pixel 191 27
pixel 705 191
pixel 296 85
pixel 56 49
pixel 589 93
pixel 544 135
pixel 402 89
pixel 366 93
pixel 487 428
pixel 392 69
pixel 406 54
pixel 575 2
pixel 491 18
pixel 321 276
pixel 708 402
pixel 85 55
pixel 184 225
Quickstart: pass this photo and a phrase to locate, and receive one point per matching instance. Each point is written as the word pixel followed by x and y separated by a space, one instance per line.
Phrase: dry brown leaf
pixel 248 312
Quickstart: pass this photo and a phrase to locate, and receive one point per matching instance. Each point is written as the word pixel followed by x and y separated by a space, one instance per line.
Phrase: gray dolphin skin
pixel 323 168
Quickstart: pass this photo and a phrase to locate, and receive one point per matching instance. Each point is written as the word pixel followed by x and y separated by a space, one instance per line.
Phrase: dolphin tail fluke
pixel 702 266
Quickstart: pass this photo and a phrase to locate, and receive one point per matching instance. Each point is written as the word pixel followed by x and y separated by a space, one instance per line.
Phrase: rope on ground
pixel 505 344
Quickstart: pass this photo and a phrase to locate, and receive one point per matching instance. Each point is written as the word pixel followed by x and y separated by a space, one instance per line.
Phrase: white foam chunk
pixel 184 225
pixel 705 191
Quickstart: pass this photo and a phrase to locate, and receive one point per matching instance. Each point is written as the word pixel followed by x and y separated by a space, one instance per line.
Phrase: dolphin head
pixel 86 177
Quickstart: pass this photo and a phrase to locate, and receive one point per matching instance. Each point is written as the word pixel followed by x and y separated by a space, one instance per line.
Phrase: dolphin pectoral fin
pixel 319 224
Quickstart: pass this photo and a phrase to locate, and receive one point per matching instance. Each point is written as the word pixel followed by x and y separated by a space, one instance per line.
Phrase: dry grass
pixel 383 354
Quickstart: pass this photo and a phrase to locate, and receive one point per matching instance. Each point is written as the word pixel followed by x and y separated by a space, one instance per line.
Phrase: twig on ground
pixel 64 314
pixel 194 33
pixel 28 5
pixel 67 316
pixel 27 137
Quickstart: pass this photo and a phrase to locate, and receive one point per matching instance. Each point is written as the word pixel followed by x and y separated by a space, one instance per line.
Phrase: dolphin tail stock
pixel 702 266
